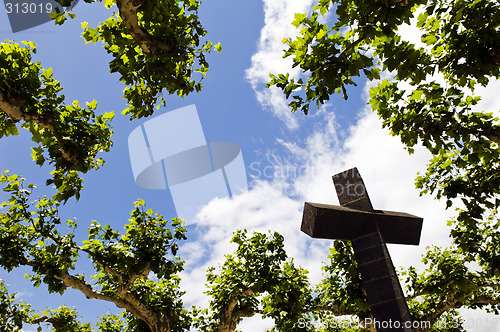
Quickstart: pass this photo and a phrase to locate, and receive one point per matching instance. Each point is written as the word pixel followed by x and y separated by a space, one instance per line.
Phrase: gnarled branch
pixel 90 293
pixel 123 289
pixel 455 301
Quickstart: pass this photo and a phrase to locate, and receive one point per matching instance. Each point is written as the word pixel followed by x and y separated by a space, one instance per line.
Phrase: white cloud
pixel 489 98
pixel 269 56
pixel 256 323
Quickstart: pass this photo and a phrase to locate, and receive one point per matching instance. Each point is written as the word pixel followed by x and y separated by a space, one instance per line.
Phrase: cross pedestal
pixel 368 230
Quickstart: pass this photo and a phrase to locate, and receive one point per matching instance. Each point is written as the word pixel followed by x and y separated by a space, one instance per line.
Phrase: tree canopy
pixel 158 47
pixel 154 48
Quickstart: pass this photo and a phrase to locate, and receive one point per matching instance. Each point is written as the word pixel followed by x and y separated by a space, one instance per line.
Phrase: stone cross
pixel 368 230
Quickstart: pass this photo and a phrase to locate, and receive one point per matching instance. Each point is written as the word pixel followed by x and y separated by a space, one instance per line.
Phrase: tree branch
pixel 90 293
pixel 143 273
pixel 45 319
pixel 350 46
pixel 493 136
pixel 112 272
pixel 128 13
pixel 107 269
pixel 402 3
pixel 484 300
pixel 123 289
pixel 456 302
pixel 144 313
pixel 13 107
pixel 37 320
pixel 227 319
pixel 127 302
pixel 427 292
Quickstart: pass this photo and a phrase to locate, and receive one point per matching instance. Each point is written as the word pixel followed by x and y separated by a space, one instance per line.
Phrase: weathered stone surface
pixel 368 230
pixel 351 190
pixel 325 221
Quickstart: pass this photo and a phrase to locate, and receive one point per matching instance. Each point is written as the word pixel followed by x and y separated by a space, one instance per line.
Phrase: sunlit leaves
pixel 449 283
pixel 333 56
pixel 147 242
pixel 341 286
pixel 32 237
pixel 258 278
pixel 32 234
pixel 68 137
pixel 177 60
pixel 12 312
pixel 111 323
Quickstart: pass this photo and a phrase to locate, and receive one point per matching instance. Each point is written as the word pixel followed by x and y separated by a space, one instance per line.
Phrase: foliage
pixel 138 270
pixel 31 236
pixel 431 99
pixel 12 314
pixel 340 290
pixel 68 136
pixel 258 278
pixel 156 46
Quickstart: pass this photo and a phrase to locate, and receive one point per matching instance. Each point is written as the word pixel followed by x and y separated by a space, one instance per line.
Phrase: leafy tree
pixel 257 279
pixel 139 271
pixel 156 47
pixel 430 99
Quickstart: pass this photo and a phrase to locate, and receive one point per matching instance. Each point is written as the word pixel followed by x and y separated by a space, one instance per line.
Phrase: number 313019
pixel 28 8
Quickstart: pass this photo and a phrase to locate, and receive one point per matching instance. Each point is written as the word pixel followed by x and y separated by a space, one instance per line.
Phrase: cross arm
pixel 336 222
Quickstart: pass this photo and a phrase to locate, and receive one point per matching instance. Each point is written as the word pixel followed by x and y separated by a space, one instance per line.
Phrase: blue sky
pixel 289 158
